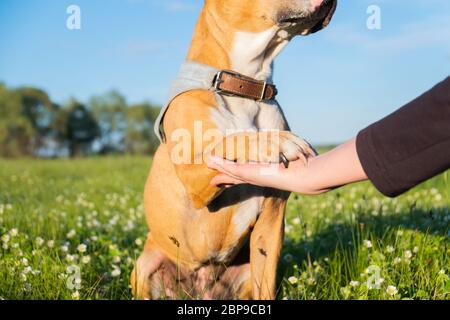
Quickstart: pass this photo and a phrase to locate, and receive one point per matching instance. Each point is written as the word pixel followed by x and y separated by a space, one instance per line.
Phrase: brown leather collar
pixel 235 84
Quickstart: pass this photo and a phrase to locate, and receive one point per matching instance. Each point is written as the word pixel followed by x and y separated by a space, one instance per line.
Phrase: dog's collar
pixel 197 76
pixel 235 84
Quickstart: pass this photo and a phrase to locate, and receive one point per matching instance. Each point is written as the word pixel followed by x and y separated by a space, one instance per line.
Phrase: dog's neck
pixel 250 54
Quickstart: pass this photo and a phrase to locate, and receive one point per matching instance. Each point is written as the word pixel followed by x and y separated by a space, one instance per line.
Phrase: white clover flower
pixel 94 238
pixel 65 248
pixel 76 295
pixel 296 220
pixel 367 244
pixel 138 242
pixel 39 241
pixel 50 243
pixel 82 248
pixel 399 233
pixel 5 238
pixel 438 197
pixel 86 259
pixel 407 254
pixel 116 259
pixel 397 260
pixel 345 292
pixel 293 280
pixel 391 290
pixel 115 273
pixel 24 261
pixel 354 283
pixel 442 272
pixel 390 249
pixel 71 234
pixel 70 258
pixel 311 281
pixel 13 232
pixel 416 249
pixel 27 270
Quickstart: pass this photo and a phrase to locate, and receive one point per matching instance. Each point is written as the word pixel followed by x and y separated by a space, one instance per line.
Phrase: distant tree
pixel 139 136
pixel 59 123
pixel 38 108
pixel 17 135
pixel 109 110
pixel 31 124
pixel 81 128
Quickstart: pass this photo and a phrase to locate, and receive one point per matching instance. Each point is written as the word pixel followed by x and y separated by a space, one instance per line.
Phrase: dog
pixel 208 242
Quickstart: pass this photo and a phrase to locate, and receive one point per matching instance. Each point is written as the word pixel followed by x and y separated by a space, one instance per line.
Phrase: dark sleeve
pixel 409 146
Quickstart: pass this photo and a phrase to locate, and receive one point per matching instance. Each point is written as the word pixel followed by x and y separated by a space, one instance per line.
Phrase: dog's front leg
pixel 192 135
pixel 265 247
pixel 242 147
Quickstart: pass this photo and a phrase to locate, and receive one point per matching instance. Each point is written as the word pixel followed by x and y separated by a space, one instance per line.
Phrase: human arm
pixel 397 153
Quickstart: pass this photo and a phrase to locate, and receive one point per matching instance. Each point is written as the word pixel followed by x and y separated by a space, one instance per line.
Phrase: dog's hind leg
pixel 147 264
pixel 265 247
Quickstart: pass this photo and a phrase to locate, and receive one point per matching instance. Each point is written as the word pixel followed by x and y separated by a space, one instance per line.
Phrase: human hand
pixel 277 176
pixel 317 175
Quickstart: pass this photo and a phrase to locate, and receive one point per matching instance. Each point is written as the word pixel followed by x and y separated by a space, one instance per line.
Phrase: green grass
pixel 49 208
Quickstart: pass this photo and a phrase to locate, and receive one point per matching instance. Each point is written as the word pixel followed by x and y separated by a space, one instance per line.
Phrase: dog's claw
pixel 284 160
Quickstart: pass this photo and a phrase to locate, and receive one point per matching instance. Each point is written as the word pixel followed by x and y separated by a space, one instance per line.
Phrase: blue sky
pixel 331 84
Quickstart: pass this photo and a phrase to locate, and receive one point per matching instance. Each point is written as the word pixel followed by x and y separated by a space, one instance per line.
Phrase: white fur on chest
pixel 243 115
pixel 250 56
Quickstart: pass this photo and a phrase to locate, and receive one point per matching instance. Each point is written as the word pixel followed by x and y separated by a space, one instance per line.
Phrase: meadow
pixel 72 229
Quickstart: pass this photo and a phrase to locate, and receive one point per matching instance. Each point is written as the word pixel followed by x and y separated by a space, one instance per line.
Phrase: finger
pixel 252 173
pixel 216 163
pixel 225 166
pixel 223 179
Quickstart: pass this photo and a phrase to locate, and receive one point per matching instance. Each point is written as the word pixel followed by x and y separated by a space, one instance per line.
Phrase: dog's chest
pixel 242 115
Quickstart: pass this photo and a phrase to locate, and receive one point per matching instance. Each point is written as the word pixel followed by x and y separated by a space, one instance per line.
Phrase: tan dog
pixel 215 243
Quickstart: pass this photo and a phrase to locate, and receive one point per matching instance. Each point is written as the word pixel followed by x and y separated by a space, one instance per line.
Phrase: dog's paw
pixel 286 147
pixel 292 146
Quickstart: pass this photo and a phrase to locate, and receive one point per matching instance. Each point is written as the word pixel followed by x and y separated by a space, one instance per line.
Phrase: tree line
pixel 31 124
